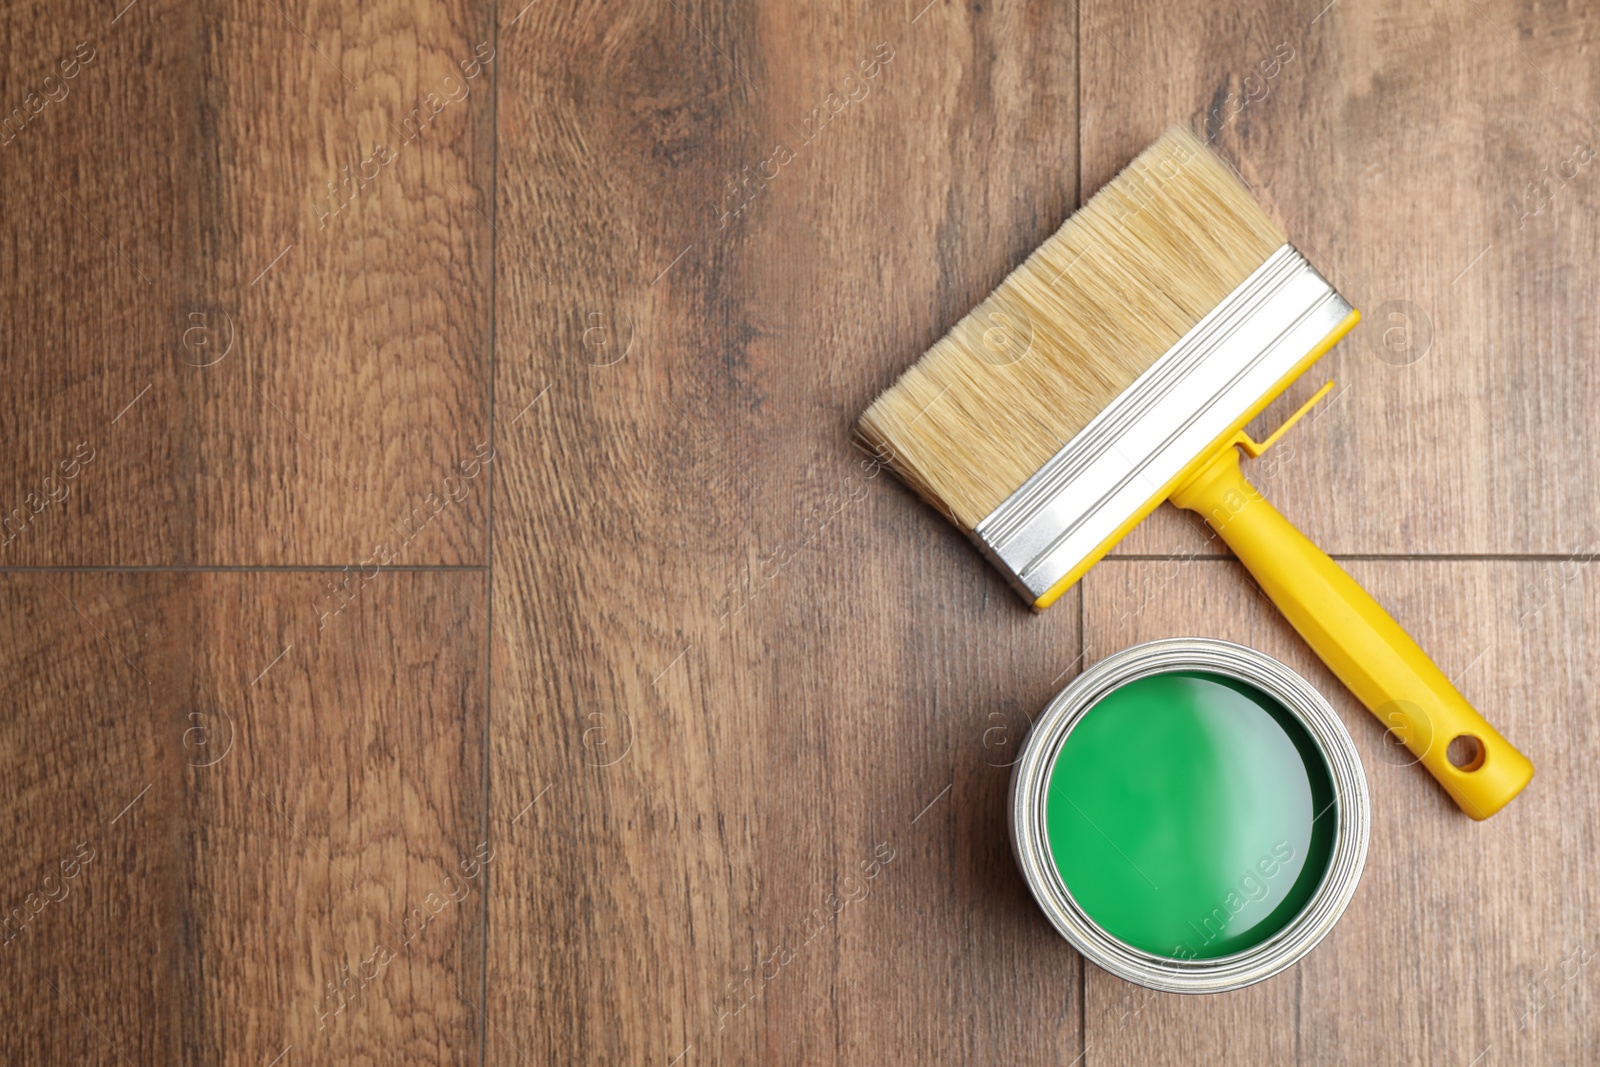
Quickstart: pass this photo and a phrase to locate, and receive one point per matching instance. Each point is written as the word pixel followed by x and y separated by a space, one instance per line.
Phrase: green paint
pixel 1190 815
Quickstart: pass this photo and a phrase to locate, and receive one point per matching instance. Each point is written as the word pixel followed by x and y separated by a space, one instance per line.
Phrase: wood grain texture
pixel 734 665
pixel 731 711
pixel 1466 942
pixel 264 374
pixel 1436 163
pixel 215 810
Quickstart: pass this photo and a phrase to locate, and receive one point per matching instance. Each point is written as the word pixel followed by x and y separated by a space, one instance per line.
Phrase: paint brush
pixel 1116 368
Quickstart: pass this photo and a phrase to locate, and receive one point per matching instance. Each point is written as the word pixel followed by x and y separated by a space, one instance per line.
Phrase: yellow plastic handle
pixel 1364 646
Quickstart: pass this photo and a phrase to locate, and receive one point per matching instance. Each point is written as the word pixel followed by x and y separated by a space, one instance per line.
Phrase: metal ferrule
pixel 1351 813
pixel 1118 466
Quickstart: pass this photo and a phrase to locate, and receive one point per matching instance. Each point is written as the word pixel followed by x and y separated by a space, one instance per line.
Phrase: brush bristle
pixel 1072 327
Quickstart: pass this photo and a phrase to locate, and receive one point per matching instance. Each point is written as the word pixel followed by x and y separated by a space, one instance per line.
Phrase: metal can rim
pixel 1352 826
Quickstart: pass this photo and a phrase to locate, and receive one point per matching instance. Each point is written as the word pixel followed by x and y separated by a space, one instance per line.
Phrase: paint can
pixel 1191 815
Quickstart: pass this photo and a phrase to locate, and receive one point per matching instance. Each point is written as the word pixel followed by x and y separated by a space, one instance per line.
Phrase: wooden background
pixel 444 619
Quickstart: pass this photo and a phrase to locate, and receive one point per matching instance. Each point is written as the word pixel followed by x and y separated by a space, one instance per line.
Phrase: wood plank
pixel 752 682
pixel 1466 942
pixel 261 375
pixel 246 806
pixel 1414 152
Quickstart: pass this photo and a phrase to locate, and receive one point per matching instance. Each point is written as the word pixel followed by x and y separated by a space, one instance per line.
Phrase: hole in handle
pixel 1465 753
